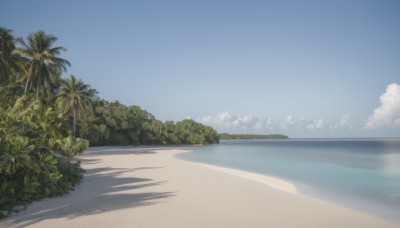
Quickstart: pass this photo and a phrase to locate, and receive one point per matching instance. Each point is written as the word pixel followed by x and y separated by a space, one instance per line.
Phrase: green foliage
pixel 12 65
pixel 28 169
pixel 32 129
pixel 113 123
pixel 12 161
pixel 153 133
pixel 70 146
pixel 225 136
pixel 74 98
pixel 184 132
pixel 34 119
pixel 44 66
pixel 29 173
pixel 191 132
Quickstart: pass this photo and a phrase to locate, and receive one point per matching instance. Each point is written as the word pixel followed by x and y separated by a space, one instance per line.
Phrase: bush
pixel 28 173
pixel 70 146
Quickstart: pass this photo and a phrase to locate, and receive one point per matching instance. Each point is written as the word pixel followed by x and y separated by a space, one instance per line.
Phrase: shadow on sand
pixel 133 150
pixel 102 190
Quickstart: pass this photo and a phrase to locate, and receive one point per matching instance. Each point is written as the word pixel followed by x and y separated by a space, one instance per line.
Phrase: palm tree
pixel 75 98
pixel 45 67
pixel 11 64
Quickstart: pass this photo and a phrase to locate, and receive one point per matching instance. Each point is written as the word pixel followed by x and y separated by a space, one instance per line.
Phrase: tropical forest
pixel 46 120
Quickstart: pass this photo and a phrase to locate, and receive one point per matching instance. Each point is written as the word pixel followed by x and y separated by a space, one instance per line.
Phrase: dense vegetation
pixel 46 120
pixel 225 136
pixel 113 123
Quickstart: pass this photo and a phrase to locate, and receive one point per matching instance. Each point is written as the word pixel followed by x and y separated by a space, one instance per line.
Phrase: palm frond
pixel 45 65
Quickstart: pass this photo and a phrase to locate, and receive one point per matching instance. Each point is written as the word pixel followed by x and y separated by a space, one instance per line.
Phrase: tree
pixel 191 132
pixel 74 98
pixel 11 64
pixel 44 66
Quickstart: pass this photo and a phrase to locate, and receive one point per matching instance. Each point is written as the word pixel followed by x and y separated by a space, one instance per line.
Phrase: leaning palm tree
pixel 11 64
pixel 45 67
pixel 75 98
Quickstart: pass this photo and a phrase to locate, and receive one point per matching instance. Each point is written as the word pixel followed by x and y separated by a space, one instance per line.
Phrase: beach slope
pixel 148 187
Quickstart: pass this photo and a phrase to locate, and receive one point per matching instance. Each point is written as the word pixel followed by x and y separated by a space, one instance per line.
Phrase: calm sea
pixel 362 174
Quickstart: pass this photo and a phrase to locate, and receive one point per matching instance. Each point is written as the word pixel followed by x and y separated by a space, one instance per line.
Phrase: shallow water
pixel 362 174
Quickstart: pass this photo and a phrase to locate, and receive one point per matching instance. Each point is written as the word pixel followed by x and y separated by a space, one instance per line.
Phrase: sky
pixel 302 68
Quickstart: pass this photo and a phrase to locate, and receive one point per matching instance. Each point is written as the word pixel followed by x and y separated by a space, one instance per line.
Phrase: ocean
pixel 361 174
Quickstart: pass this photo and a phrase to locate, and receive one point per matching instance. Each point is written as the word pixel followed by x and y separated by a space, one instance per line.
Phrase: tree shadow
pixel 102 190
pixel 118 150
pixel 134 150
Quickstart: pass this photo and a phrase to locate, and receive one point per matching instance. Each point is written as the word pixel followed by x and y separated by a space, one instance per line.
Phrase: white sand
pixel 267 180
pixel 147 187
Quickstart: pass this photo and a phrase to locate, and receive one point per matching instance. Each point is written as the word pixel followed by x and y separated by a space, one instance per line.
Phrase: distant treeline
pixel 225 136
pixel 113 123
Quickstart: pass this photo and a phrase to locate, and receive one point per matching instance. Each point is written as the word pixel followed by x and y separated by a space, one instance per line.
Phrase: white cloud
pixel 388 113
pixel 225 121
pixel 346 122
pixel 270 124
pixel 302 124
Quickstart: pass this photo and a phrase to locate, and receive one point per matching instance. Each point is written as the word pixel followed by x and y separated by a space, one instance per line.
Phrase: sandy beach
pixel 148 187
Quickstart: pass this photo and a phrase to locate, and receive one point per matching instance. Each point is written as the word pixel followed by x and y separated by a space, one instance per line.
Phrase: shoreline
pixel 149 187
pixel 270 181
pixel 281 185
pixel 264 179
pixel 293 188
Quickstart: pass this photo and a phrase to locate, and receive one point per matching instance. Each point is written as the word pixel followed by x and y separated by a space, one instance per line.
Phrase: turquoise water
pixel 362 174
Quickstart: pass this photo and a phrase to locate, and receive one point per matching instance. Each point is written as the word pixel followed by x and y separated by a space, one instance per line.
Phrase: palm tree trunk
pixel 37 91
pixel 74 121
pixel 28 82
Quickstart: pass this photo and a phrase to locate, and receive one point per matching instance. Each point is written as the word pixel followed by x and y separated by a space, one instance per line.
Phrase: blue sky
pixel 302 68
